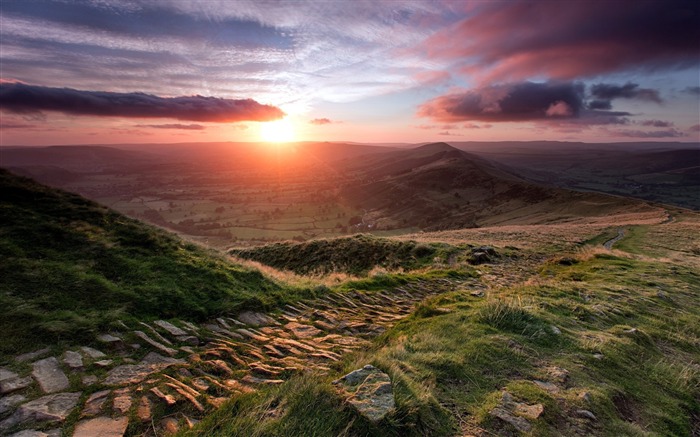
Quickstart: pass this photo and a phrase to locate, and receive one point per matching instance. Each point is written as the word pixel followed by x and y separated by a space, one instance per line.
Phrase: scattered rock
pixel 7 374
pixel 255 319
pixel 632 331
pixel 49 375
pixel 552 388
pixel 92 353
pixel 7 402
pixel 189 339
pixel 519 423
pixel 477 293
pixel 586 396
pixel 143 411
pixel 103 363
pixel 170 425
pixel 555 330
pixel 112 341
pixel 598 356
pixel 585 414
pixel 73 360
pixel 170 328
pixel 135 373
pixel 89 380
pixel 32 355
pixel 52 408
pixel 302 331
pixel 94 403
pixel 15 383
pixel 31 433
pixel 122 400
pixel 102 427
pixel 516 413
pixel 370 391
pixel 160 346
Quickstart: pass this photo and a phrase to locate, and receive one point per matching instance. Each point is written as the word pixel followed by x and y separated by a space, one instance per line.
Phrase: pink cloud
pixel 321 121
pixel 565 40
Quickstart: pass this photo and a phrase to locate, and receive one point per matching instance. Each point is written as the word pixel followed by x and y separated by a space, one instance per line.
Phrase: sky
pixel 158 71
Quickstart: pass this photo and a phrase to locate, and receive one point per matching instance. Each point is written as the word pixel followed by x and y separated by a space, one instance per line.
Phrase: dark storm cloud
pixel 571 39
pixel 693 90
pixel 600 104
pixel 524 101
pixel 606 91
pixel 26 99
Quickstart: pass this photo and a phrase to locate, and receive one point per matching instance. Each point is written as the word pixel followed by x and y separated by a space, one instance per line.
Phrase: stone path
pixel 164 375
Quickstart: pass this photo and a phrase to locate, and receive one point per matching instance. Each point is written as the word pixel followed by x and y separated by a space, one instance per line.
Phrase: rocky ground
pixel 157 377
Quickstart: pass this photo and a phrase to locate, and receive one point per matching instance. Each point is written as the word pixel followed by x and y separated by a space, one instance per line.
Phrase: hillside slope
pixel 437 186
pixel 70 267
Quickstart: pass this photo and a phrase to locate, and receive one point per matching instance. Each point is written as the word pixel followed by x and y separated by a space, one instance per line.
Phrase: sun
pixel 280 131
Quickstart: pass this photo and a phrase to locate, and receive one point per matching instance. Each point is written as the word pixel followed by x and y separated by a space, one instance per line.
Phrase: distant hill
pixel 437 186
pixel 70 267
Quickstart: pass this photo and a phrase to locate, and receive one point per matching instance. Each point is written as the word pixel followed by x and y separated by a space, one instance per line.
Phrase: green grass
pixel 451 360
pixel 70 268
pixel 355 255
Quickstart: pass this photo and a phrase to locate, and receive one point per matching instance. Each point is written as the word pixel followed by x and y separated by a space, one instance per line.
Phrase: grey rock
pixel 103 363
pixel 369 391
pixel 7 374
pixel 189 339
pixel 94 403
pixel 160 346
pixel 255 319
pixel 32 355
pixel 111 341
pixel 555 330
pixel 73 360
pixel 7 402
pixel 92 353
pixel 14 384
pixel 51 409
pixel 135 373
pixel 49 375
pixel 519 423
pixel 102 427
pixel 30 433
pixel 89 380
pixel 170 328
pixel 586 414
pixel 598 356
pixel 547 386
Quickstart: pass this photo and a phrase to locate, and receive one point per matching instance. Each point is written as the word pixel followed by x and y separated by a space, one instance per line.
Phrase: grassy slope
pixel 355 255
pixel 71 267
pixel 451 360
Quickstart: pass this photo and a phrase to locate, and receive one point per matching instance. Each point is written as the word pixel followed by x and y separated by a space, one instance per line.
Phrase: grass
pixel 356 255
pixel 623 327
pixel 72 268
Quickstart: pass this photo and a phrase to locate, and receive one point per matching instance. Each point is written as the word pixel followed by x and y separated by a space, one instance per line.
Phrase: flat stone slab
pixel 7 374
pixel 73 360
pixel 160 346
pixel 369 391
pixel 302 331
pixel 101 427
pixel 14 384
pixel 93 353
pixel 32 355
pixel 51 409
pixel 170 328
pixel 7 402
pixel 135 373
pixel 255 319
pixel 94 403
pixel 49 375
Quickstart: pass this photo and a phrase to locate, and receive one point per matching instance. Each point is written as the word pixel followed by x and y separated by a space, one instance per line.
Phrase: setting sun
pixel 280 131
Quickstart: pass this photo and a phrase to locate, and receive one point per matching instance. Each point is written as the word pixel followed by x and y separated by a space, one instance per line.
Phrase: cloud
pixel 695 90
pixel 657 123
pixel 173 126
pixel 607 92
pixel 27 99
pixel 668 133
pixel 524 101
pixel 321 121
pixel 12 125
pixel 476 126
pixel 694 128
pixel 522 39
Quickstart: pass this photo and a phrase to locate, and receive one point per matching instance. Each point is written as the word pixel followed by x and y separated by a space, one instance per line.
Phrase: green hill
pixel 70 267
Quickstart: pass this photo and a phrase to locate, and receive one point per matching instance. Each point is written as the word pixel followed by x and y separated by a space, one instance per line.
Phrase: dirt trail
pixel 611 242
